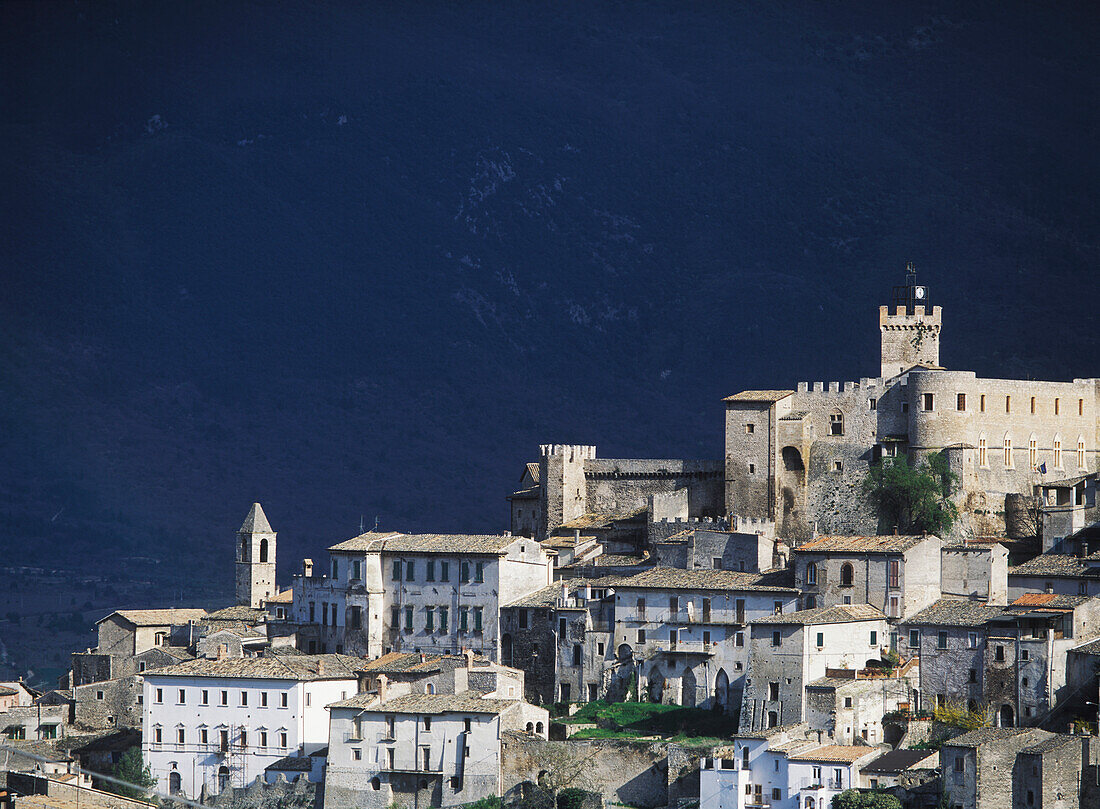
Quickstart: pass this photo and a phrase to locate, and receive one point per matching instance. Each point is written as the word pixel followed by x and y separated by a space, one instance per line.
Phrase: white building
pixel 421 749
pixel 789 651
pixel 431 593
pixel 209 724
pixel 784 770
pixel 687 630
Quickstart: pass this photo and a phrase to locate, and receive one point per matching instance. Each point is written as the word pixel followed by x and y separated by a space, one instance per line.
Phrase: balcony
pixel 414 770
pixel 684 647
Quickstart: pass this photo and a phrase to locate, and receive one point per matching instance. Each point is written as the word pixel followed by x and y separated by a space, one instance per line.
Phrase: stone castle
pixel 798 456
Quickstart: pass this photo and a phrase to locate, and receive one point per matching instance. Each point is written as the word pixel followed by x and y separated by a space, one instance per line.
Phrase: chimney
pixel 307 568
pixel 576 535
pixel 383 681
pixel 321 667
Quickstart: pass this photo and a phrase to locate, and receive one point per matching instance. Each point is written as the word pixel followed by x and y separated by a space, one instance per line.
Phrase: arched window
pixel 811 573
pixel 244 549
pixel 773 719
pixel 983 460
pixel 538 727
pixel 1033 451
pixel 223 777
pixel 263 550
pixel 809 803
pixel 846 575
pixel 1080 452
pixel 431 688
pixel 1057 452
pixel 1008 452
pixel 375 783
pixel 530 727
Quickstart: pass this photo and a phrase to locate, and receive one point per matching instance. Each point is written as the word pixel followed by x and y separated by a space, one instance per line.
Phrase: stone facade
pixel 975 572
pixel 255 559
pixel 851 710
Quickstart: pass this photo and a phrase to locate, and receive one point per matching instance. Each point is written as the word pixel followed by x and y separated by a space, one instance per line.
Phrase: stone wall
pixel 624 772
pixel 534 651
pixel 109 704
pixel 619 486
pixel 70 793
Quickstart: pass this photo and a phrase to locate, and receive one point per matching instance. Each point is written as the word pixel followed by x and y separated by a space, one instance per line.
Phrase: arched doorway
pixel 687 688
pixel 506 649
pixel 656 685
pixel 773 719
pixel 175 783
pixel 625 652
pixel 792 460
pixel 1008 717
pixel 721 690
pixel 223 778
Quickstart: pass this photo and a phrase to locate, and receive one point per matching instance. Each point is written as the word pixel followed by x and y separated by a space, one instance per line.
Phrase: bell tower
pixel 255 559
pixel 910 329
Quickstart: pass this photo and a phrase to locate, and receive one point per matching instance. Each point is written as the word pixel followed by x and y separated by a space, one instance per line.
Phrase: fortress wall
pixel 615 486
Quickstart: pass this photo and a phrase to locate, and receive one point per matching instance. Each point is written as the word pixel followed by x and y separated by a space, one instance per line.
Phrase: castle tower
pixel 910 332
pixel 562 490
pixel 255 559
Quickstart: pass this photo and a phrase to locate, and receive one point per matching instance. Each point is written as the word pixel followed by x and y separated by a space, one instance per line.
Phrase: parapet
pixel 751 525
pixel 903 318
pixel 572 452
pixel 837 388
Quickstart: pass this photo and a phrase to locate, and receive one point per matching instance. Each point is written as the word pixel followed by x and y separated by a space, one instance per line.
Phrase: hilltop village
pixel 765 629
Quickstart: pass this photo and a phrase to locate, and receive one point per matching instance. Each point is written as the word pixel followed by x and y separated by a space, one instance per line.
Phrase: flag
pixel 1043 468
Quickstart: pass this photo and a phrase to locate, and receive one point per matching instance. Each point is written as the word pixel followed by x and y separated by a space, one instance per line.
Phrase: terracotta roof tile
pixel 888 543
pixel 834 752
pixel 490 544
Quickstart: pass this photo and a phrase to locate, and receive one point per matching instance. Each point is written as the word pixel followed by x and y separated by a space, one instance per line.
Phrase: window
pixel 263 699
pixel 706 637
pixel 1057 406
pixel 463 619
pixel 811 602
pixel 674 605
pixel 204 736
pixel 641 636
pixel 960 401
pixel 874 638
pixel 895 573
pixel 204 697
pixel 752 469
pixel 1032 452
pixel 1080 453
pixel 981 403
pixel 1033 405
pixel 739 639
pixel 775 638
pixel 836 423
pixel 941 640
pixel 335 570
pixel 443 619
pixel 641 608
pixel 999 653
pixel 158 696
pixel 1024 682
pixel 429 619
pixel 244 699
pixel 408 618
pixel 429 570
pixel 157 735
pixel 355 617
pixel 846 575
pixel 777 607
pixel 523 619
pixel 847 702
pixel 599 649
pixel 576 654
pixel 395 617
pixel 972 676
pixel 49 731
pixel 820 639
pixel 182 697
pixel 356 572
pixel 444 571
pixel 750 429
pixel 983 459
pixel 927 401
pixel 181 736
pixel 464 572
pixel 776 793
pixel 1080 407
pixel 895 607
pixel 1008 452
pixel 838 466
pixel 467 724
pixel 397 570
pixel 1008 404
pixel 309 699
pixel 972 640
pixel 958 763
pixel 872 404
pixel 282 700
pixel 1057 452
pixel 410 570
pixel 312 607
pixel 390 726
pixel 477 619
pixel 357 755
pixel 427 724
pixel 914 638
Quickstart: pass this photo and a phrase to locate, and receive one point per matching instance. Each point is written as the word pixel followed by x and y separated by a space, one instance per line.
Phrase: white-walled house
pixel 784 770
pixel 789 651
pixel 430 593
pixel 216 723
pixel 421 749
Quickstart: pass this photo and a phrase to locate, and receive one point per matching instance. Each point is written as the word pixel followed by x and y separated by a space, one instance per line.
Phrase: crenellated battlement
pixel 751 525
pixel 572 452
pixel 838 388
pixel 902 318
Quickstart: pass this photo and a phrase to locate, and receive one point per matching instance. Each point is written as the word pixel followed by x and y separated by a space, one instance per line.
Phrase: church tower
pixel 910 329
pixel 255 559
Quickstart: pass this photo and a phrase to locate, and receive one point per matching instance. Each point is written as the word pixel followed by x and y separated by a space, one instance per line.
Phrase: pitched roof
pixel 1053 742
pixel 465 702
pixel 833 752
pixel 946 612
pixel 836 614
pixel 532 469
pixel 661 578
pixel 1054 565
pixel 1067 483
pixel 1091 647
pixel 902 759
pixel 403 662
pixel 759 396
pixel 256 522
pixel 237 612
pixel 393 542
pixel 271 667
pixel 887 543
pixel 548 596
pixel 167 617
pixel 285 597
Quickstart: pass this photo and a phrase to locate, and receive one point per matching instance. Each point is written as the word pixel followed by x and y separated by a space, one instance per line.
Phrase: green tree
pixel 856 799
pixel 916 501
pixel 132 769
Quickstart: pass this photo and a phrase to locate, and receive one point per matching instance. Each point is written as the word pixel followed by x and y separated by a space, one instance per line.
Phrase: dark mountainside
pixel 360 262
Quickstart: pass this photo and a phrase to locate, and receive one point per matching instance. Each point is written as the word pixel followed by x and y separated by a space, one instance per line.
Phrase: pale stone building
pixel 974 572
pixel 1055 573
pixel 255 559
pixel 431 593
pixel 421 749
pixel 899 575
pixel 799 456
pixel 787 652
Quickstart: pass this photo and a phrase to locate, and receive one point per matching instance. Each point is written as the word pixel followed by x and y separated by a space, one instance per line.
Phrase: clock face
pixel 918 293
